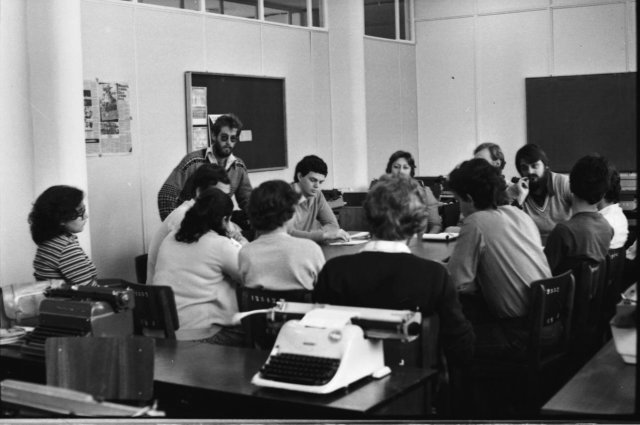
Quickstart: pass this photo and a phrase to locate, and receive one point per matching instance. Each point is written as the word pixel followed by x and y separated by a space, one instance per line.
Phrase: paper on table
pixel 360 235
pixel 439 236
pixel 351 242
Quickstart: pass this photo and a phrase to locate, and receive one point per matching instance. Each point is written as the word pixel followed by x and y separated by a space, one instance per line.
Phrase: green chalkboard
pixel 259 102
pixel 572 116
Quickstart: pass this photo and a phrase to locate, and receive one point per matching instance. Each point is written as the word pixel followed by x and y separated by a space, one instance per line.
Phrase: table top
pixel 229 370
pixel 431 250
pixel 604 386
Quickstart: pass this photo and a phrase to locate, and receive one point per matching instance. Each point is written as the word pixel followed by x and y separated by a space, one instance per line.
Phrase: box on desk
pixel 623 325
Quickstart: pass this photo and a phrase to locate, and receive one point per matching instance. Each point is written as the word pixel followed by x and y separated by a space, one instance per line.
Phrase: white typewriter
pixel 331 347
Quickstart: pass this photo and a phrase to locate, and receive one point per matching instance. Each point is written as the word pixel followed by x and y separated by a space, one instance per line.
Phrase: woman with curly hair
pixel 276 260
pixel 402 163
pixel 199 261
pixel 57 215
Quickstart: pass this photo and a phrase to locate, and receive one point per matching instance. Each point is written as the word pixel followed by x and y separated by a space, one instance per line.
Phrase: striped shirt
pixel 62 258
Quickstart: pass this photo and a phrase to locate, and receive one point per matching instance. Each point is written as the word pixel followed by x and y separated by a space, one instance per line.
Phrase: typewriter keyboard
pixel 299 369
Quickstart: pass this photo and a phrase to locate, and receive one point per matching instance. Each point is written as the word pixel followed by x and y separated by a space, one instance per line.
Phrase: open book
pixel 439 236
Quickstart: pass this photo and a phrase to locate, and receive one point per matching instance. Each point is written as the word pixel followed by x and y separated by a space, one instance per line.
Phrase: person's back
pixel 500 251
pixel 385 274
pixel 610 209
pixel 586 235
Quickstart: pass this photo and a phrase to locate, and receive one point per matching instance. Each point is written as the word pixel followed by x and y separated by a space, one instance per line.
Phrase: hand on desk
pixel 336 234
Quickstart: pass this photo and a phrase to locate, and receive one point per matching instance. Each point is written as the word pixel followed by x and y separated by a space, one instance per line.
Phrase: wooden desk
pixel 204 380
pixel 604 386
pixel 436 251
pixel 198 380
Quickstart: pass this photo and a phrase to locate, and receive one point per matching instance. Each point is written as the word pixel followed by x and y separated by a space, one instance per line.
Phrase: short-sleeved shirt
pixel 62 257
pixel 499 252
pixel 616 218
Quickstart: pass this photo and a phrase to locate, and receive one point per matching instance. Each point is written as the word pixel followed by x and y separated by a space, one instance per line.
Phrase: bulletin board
pixel 259 102
pixel 575 115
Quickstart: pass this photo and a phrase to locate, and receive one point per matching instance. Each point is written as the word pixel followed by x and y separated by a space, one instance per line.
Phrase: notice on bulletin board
pixel 107 118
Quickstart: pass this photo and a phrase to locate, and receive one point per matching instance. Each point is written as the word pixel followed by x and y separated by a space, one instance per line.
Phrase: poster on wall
pixel 107 119
pixel 198 106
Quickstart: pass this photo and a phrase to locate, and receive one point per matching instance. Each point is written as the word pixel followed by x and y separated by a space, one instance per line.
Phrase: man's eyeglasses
pixel 225 137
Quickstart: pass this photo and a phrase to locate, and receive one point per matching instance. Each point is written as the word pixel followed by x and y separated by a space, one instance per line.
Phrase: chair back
pixel 111 368
pixel 261 333
pixel 590 278
pixel 155 312
pixel 354 199
pixel 353 218
pixel 141 268
pixel 551 315
pixel 450 213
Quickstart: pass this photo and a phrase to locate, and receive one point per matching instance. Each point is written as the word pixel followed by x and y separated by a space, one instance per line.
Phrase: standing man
pixel 543 194
pixel 225 132
pixel 313 218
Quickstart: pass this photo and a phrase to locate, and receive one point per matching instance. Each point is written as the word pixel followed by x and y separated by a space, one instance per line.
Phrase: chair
pixel 450 213
pixel 589 294
pixel 612 288
pixel 113 368
pixel 353 218
pixel 550 329
pixel 260 332
pixel 141 268
pixel 155 312
pixel 354 199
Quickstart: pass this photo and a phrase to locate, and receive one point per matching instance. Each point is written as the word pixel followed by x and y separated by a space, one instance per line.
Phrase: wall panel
pixel 503 64
pixel 446 92
pixel 435 9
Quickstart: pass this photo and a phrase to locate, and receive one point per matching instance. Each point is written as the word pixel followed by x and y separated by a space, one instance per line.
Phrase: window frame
pixel 396 8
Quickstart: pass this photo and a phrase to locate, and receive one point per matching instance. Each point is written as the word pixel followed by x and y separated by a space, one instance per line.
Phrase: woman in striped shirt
pixel 57 215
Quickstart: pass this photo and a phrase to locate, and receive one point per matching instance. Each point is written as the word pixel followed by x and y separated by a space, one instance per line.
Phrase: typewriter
pixel 81 311
pixel 331 347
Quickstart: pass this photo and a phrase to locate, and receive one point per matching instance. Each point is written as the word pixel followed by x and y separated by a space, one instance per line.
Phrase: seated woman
pixel 57 215
pixel 385 274
pixel 402 163
pixel 200 263
pixel 276 260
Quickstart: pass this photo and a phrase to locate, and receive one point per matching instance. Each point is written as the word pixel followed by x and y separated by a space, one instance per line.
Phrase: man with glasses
pixel 225 132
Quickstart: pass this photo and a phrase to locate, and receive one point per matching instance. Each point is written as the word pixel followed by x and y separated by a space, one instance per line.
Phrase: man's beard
pixel 219 151
pixel 536 182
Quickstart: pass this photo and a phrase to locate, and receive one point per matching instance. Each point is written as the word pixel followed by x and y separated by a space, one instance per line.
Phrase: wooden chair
pixel 589 294
pixel 113 368
pixel 550 329
pixel 261 333
pixel 353 218
pixel 450 214
pixel 612 288
pixel 141 268
pixel 155 312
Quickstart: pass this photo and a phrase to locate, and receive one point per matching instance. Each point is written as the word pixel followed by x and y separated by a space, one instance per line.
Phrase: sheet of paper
pixel 351 242
pixel 439 236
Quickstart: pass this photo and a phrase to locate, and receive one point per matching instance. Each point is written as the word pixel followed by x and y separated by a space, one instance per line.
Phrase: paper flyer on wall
pixel 107 118
pixel 198 106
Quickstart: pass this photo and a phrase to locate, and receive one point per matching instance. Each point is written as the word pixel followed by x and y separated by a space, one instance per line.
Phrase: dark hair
pixel 531 153
pixel 228 120
pixel 271 205
pixel 494 151
pixel 395 208
pixel 401 154
pixel 205 176
pixel 205 215
pixel 478 179
pixel 54 207
pixel 310 164
pixel 589 178
pixel 613 194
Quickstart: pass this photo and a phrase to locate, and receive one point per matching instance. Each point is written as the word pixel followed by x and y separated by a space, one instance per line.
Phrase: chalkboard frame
pixel 573 115
pixel 259 102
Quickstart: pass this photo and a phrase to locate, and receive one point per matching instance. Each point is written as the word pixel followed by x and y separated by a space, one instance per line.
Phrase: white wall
pixel 151 48
pixel 472 57
pixel 16 157
pixel 392 120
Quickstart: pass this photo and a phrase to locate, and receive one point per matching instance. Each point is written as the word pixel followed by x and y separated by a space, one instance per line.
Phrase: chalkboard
pixel 572 116
pixel 259 102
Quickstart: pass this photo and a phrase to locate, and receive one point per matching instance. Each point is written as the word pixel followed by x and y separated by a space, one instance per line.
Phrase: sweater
pixel 279 262
pixel 62 257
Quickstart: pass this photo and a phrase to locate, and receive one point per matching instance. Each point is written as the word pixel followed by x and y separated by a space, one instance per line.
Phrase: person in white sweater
pixel 610 209
pixel 276 260
pixel 199 262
